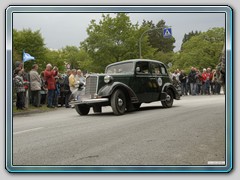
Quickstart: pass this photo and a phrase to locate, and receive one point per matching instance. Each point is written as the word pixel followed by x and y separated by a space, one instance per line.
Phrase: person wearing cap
pixel 35 85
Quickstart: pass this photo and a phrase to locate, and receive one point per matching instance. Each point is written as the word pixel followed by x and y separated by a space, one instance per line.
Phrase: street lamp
pixel 140 40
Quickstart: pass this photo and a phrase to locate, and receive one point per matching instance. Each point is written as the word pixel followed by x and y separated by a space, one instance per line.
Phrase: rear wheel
pixel 169 101
pixel 82 109
pixel 118 102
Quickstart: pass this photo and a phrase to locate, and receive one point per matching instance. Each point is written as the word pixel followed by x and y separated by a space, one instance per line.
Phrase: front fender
pixel 170 86
pixel 108 89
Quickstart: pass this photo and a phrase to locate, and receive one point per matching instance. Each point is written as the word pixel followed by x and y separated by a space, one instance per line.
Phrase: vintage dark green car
pixel 125 85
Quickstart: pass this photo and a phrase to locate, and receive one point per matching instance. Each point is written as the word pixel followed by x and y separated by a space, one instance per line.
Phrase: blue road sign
pixel 167 32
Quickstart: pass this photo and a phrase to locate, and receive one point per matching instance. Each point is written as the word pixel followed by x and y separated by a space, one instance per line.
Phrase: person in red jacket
pixel 49 76
pixel 206 81
pixel 210 75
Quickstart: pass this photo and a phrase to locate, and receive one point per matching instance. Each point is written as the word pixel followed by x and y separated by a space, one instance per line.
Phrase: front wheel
pixel 82 109
pixel 169 101
pixel 118 102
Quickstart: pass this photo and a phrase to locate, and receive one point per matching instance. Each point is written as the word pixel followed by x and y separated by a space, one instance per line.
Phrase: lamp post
pixel 140 40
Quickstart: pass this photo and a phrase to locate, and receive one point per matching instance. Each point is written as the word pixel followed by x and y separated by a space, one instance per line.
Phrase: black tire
pixel 82 109
pixel 118 102
pixel 169 102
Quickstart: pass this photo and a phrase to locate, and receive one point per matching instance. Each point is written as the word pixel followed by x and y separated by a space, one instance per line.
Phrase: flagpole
pixel 26 94
pixel 23 58
pixel 27 57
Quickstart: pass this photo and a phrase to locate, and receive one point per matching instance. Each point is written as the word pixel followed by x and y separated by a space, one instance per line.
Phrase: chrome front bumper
pixel 88 101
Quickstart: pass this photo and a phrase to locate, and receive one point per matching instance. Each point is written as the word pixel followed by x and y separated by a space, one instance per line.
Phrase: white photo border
pixel 227 167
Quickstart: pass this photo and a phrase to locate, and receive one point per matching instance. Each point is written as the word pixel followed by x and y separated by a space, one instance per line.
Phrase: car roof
pixel 135 60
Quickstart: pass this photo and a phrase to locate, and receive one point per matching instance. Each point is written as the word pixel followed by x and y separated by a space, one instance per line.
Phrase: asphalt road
pixel 192 132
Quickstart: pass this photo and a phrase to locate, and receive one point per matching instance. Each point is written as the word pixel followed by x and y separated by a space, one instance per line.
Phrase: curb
pixel 33 112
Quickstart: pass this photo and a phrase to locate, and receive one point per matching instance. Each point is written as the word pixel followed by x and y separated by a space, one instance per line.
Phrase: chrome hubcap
pixel 168 98
pixel 120 102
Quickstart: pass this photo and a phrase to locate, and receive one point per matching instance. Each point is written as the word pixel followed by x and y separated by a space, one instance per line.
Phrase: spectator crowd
pixel 54 89
pixel 49 87
pixel 198 83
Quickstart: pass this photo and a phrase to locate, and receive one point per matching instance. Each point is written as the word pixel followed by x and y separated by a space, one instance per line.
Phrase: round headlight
pixel 107 79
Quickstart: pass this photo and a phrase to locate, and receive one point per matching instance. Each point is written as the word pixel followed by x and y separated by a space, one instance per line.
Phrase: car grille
pixel 91 85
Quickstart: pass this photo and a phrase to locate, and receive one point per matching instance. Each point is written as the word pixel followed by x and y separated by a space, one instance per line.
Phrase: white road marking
pixel 28 130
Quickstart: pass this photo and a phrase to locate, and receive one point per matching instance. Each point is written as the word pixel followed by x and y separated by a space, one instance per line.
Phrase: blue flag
pixel 27 57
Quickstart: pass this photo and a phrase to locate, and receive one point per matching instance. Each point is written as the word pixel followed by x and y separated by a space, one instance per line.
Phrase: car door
pixel 156 80
pixel 164 74
pixel 143 86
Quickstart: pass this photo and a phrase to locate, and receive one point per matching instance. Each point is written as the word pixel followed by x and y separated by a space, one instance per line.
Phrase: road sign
pixel 167 32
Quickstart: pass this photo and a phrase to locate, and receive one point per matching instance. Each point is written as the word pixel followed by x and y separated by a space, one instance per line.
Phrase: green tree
pixel 156 38
pixel 188 36
pixel 31 42
pixel 85 63
pixel 70 56
pixel 114 39
pixel 78 58
pixel 164 57
pixel 202 50
pixel 54 57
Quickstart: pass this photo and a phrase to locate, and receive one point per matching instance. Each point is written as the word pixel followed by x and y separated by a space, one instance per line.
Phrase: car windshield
pixel 120 68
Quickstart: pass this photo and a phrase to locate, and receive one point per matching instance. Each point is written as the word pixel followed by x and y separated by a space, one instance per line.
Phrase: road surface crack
pixel 87 157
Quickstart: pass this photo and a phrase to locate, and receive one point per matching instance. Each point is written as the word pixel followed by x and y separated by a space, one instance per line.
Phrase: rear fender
pixel 166 86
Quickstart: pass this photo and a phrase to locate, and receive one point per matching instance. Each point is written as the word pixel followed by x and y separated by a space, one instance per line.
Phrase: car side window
pixel 163 70
pixel 142 68
pixel 155 69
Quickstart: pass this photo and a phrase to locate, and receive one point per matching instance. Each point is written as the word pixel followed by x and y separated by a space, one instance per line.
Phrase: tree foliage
pixel 70 56
pixel 165 57
pixel 85 63
pixel 54 57
pixel 201 51
pixel 114 39
pixel 189 35
pixel 77 58
pixel 31 42
pixel 156 39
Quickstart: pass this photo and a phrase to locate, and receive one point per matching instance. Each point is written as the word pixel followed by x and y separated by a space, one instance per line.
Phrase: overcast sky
pixel 62 29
